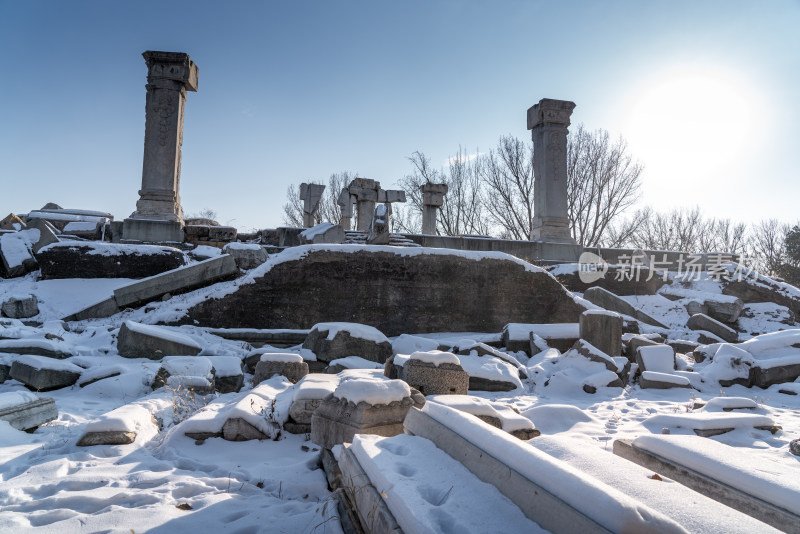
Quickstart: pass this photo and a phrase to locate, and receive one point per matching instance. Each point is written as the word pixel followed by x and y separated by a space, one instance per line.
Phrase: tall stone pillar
pixel 345 202
pixel 159 216
pixel 548 121
pixel 310 194
pixel 432 200
pixel 365 192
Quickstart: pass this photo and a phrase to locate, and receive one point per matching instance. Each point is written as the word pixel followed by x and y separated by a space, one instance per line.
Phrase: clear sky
pixel 707 94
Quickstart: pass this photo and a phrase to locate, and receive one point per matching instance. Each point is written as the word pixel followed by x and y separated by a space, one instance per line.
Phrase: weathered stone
pixel 346 343
pixel 170 75
pixel 265 369
pixel 119 437
pixel 153 342
pixel 5 369
pixel 765 377
pixel 659 358
pixel 228 384
pixel 246 256
pixel 794 447
pixel 30 414
pixel 422 287
pixel 699 321
pixel 39 373
pixel 237 429
pixel 12 222
pixel 608 300
pixel 523 337
pixel 592 353
pixel 655 380
pixel 603 330
pixel 336 421
pixel 21 308
pixel 16 257
pixel 613 280
pixel 35 347
pixel 432 200
pixel 106 260
pixel 548 121
pixel 431 379
pixel 176 281
pixel 724 308
pixel 682 346
pixel 323 233
pixel 634 343
pixel 379 227
pixel 47 234
pixel 763 289
pixel 310 194
pixel 185 366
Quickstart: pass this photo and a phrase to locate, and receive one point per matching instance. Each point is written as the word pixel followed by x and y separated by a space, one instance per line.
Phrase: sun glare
pixel 689 124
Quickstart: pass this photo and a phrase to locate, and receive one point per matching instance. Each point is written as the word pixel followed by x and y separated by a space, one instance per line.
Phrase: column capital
pixel 175 66
pixel 550 112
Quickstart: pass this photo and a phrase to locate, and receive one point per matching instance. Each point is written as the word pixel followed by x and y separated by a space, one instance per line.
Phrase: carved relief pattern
pixel 163 108
pixel 556 149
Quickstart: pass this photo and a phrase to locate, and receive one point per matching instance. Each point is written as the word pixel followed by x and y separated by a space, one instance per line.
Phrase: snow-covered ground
pixel 167 482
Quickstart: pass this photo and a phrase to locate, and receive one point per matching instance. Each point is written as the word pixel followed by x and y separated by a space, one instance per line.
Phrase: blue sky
pixel 706 93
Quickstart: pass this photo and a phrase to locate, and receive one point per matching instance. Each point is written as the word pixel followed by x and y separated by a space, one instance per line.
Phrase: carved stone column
pixel 432 200
pixel 158 215
pixel 548 121
pixel 310 194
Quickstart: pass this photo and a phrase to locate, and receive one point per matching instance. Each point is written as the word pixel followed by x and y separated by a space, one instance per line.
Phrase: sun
pixel 688 124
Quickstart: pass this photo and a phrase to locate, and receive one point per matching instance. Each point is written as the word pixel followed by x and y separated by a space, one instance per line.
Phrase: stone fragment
pixel 285 364
pixel 228 373
pixel 794 447
pixel 69 259
pixel 424 288
pixel 184 366
pixel 592 353
pixel 699 321
pixel 655 380
pixel 12 222
pixel 16 256
pixel 246 255
pixel 379 227
pixel 725 308
pixel 433 378
pixel 608 300
pixel 40 373
pixel 310 194
pixel 683 346
pixel 47 234
pixel 332 341
pixel 432 200
pixel 35 347
pixel 21 307
pixel 25 411
pixel 521 336
pixel 658 358
pixel 614 280
pixel 106 438
pixel 763 289
pixel 321 234
pixel 602 329
pixel 634 342
pixel 602 379
pixel 136 340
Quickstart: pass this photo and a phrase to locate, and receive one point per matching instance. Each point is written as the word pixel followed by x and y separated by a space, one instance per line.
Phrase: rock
pixel 35 347
pixel 106 260
pixel 765 377
pixel 682 346
pixel 322 233
pixel 47 234
pixel 25 411
pixel 478 383
pixel 136 340
pixel 704 322
pixel 12 222
pixel 237 429
pixel 654 380
pixel 613 280
pixel 435 378
pixel 16 256
pixel 609 301
pixel 658 358
pixel 289 365
pixel 634 342
pixel 183 366
pixel 592 353
pixel 228 374
pixel 794 447
pixel 5 369
pixel 379 227
pixel 21 307
pixel 522 336
pixel 228 384
pixel 40 373
pixel 337 420
pixel 601 380
pixel 724 308
pixel 603 329
pixel 332 341
pixel 422 287
pixel 246 255
pixel 759 288
pixel 106 438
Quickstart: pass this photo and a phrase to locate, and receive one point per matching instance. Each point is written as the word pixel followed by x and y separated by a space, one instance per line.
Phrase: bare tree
pixel 766 245
pixel 507 177
pixel 328 210
pixel 603 182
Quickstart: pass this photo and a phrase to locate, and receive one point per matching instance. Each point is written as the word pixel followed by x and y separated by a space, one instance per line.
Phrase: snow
pixel 316 386
pixel 128 418
pixel 522 331
pixel 225 366
pixel 11 345
pixel 310 233
pixel 435 357
pixel 736 467
pixel 16 247
pixel 80 226
pixel 602 503
pixel 768 344
pixel 708 420
pixel 162 333
pixel 658 358
pixel 667 377
pixel 241 246
pixel 718 404
pixel 16 398
pixel 601 379
pixel 188 382
pixel 355 362
pixel 356 330
pixel 509 419
pixel 427 491
pixel 372 391
pixel 490 368
pixel 284 357
pixel 408 344
pixel 605 313
pixel 43 362
pixel 187 365
pixel 100 248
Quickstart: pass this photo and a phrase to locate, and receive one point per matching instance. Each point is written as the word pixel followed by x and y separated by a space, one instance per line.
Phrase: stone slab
pixel 42 379
pixel 373 513
pixel 608 300
pixel 700 321
pixel 106 438
pixel 31 414
pixel 134 344
pixel 106 260
pixel 152 231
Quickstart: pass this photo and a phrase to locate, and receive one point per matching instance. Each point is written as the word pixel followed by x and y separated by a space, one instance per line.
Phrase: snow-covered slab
pixel 692 510
pixel 506 418
pixel 43 374
pixel 36 347
pixel 708 423
pixel 353 362
pixel 407 344
pixel 428 491
pixel 656 380
pixel 733 476
pixel 658 358
pixel 553 494
pixel 487 373
pixel 435 357
pixel 24 410
pixel 372 391
pixel 121 426
pixel 282 357
pixel 726 404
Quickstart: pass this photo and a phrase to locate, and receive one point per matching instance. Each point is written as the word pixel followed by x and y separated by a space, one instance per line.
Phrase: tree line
pixel 491 194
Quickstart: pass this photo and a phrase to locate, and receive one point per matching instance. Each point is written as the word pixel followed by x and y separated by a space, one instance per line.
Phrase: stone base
pixel 152 231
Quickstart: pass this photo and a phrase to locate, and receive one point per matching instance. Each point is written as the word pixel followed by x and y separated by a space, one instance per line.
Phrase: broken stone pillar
pixel 365 192
pixel 345 202
pixel 379 229
pixel 432 200
pixel 548 121
pixel 159 216
pixel 310 194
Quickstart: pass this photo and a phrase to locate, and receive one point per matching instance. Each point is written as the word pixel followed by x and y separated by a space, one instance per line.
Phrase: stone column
pixel 345 202
pixel 158 215
pixel 310 194
pixel 432 200
pixel 366 193
pixel 548 121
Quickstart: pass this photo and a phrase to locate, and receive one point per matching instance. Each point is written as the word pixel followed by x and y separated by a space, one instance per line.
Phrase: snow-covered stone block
pixel 24 410
pixel 496 414
pixel 323 233
pixel 517 336
pixel 186 366
pixel 656 380
pixel 21 307
pixel 435 373
pixel 609 301
pixel 37 347
pixel 120 427
pixel 710 423
pixel 351 362
pixel 603 379
pixel 285 364
pixel 658 358
pixel 16 253
pixel 97 259
pixel 246 255
pixel 331 341
pixel 700 321
pixel 41 373
pixel 603 329
pixel 594 354
pixel 361 406
pixel 136 340
pixel 228 373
